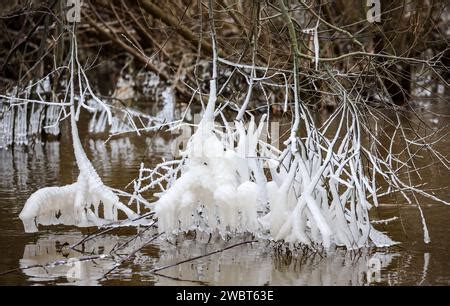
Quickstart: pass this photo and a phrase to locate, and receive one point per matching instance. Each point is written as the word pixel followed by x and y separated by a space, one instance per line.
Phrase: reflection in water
pixel 258 264
pixel 51 248
pixel 6 168
pixel 123 152
pixel 254 264
pixel 426 262
pixel 114 152
pixel 19 165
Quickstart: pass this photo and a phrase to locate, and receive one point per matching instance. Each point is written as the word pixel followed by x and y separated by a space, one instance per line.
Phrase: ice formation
pixel 23 117
pixel 6 124
pixel 223 187
pixel 216 189
pixel 123 120
pixel 52 117
pixel 315 191
pixel 87 202
pixel 319 194
pixel 217 185
pixel 316 194
pixel 314 33
pixel 36 119
pixel 20 132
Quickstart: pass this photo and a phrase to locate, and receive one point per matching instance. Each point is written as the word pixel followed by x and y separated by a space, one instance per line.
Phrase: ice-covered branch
pixel 87 202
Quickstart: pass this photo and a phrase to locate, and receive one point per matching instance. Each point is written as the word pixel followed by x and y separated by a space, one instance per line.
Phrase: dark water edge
pixel 24 170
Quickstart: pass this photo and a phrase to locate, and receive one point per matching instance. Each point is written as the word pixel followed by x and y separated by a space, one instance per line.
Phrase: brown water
pixel 24 170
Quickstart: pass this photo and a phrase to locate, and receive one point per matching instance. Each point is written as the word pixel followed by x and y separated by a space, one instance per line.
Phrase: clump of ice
pixel 217 188
pixel 316 192
pixel 307 198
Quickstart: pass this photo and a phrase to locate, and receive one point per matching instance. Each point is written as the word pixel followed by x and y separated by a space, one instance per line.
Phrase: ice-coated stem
pixel 208 116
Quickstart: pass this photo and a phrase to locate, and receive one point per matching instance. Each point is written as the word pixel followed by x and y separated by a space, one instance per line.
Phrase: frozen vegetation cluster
pixel 317 190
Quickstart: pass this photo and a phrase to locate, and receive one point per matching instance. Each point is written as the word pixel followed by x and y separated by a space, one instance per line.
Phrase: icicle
pixel 7 126
pixel 91 124
pixel 20 131
pixel 314 33
pixel 168 104
pixel 36 118
pixel 3 111
pixel 44 86
pixel 52 120
pixel 101 122
pixel 316 48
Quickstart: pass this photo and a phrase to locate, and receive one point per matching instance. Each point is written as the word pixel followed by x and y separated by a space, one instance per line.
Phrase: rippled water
pixel 24 170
